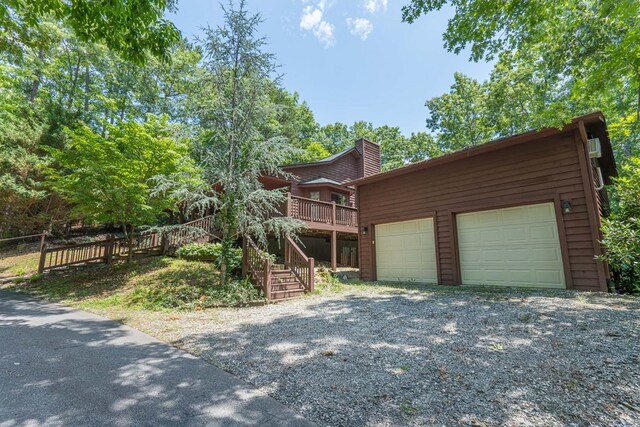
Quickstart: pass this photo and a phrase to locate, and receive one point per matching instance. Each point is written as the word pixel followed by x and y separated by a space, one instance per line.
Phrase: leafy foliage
pixel 212 251
pixel 233 149
pixel 131 28
pixel 107 178
pixel 622 229
pixel 576 55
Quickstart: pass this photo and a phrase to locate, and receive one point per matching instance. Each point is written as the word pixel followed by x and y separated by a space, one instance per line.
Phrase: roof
pixel 317 181
pixel 596 119
pixel 331 158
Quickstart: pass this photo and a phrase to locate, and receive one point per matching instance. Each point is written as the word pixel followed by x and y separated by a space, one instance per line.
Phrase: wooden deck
pixel 325 216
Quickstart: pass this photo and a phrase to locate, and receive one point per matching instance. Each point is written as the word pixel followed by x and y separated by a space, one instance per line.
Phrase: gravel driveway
pixel 382 356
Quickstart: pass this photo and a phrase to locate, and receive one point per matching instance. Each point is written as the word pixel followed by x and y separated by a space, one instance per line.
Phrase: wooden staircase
pixel 285 284
pixel 290 280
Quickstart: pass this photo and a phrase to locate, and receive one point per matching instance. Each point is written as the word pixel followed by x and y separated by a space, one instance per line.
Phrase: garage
pixel 516 246
pixel 406 251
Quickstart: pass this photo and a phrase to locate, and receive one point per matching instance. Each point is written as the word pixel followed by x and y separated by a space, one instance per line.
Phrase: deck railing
pixel 257 266
pixel 320 212
pixel 301 265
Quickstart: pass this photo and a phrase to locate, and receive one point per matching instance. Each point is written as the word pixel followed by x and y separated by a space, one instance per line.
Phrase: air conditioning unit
pixel 595 149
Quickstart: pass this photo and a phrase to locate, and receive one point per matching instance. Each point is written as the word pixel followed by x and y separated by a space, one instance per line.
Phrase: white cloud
pixel 311 20
pixel 324 33
pixel 360 27
pixel 372 6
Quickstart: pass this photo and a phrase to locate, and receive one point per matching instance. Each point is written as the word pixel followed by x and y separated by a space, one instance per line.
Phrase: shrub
pixel 211 251
pixel 622 229
pixel 199 250
pixel 184 296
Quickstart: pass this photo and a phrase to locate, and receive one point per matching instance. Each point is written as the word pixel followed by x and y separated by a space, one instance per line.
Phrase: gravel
pixel 378 356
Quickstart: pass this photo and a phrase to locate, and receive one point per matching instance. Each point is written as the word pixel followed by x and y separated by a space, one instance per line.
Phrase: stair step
pixel 286 282
pixel 286 294
pixel 287 271
pixel 287 287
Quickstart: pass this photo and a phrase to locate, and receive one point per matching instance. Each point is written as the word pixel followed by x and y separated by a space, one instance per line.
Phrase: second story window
pixel 340 199
pixel 314 195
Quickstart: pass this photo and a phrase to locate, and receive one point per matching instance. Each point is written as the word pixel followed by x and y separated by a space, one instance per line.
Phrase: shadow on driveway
pixel 60 366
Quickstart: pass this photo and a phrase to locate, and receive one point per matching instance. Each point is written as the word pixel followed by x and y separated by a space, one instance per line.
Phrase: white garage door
pixel 511 247
pixel 406 251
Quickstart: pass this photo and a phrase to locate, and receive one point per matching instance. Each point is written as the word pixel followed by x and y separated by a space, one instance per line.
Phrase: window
pixel 340 199
pixel 314 195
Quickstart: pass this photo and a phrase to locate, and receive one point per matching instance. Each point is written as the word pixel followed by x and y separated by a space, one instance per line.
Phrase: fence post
pixel 267 279
pixel 43 257
pixel 108 249
pixel 312 275
pixel 165 244
pixel 288 208
pixel 44 234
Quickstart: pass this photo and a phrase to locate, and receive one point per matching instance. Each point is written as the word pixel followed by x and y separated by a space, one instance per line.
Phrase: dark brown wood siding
pixel 542 170
pixel 370 158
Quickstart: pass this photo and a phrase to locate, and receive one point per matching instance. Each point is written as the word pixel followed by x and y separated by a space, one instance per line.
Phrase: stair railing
pixel 190 231
pixel 257 266
pixel 301 265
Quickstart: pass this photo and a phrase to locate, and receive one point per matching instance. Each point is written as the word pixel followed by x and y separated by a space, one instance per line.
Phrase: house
pixel 518 211
pixel 320 196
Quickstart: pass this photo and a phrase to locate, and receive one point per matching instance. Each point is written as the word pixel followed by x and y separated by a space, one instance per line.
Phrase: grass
pixel 156 284
pixel 19 261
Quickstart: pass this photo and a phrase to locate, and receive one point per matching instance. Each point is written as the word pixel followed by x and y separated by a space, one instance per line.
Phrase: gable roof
pixel 596 119
pixel 317 181
pixel 332 158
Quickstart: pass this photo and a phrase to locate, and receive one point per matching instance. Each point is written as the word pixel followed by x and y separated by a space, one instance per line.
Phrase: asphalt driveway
pixel 60 366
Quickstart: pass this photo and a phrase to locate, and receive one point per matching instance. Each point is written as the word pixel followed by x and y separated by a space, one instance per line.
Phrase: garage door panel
pixel 511 247
pixel 405 251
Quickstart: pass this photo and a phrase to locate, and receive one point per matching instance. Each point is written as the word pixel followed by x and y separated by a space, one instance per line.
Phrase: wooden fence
pixel 113 249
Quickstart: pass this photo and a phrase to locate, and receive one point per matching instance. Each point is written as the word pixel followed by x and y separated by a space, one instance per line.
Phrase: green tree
pixel 232 150
pixel 108 178
pixel 460 116
pixel 131 28
pixel 591 49
pixel 622 229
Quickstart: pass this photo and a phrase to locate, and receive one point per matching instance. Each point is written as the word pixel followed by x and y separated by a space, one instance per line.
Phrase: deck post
pixel 43 257
pixel 334 249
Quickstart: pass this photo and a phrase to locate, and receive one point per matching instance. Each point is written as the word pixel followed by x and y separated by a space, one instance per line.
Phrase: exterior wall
pixel 371 161
pixel 547 169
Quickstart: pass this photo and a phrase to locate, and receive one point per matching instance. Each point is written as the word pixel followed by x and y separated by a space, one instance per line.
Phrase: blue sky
pixel 351 59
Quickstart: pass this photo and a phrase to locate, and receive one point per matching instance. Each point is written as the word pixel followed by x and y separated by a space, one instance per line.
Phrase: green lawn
pixel 156 283
pixel 19 262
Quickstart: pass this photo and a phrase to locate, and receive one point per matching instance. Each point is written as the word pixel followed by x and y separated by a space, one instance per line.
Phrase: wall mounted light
pixel 365 230
pixel 566 206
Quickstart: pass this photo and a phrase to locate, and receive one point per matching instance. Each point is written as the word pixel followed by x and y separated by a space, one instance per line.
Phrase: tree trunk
pixel 35 85
pixel 86 88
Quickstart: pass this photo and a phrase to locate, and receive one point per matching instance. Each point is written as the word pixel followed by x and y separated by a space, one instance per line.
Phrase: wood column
pixel 334 250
